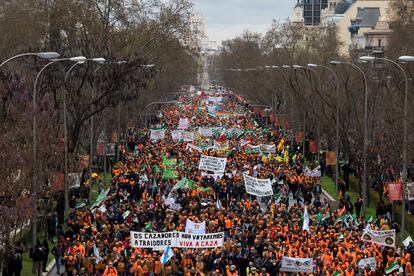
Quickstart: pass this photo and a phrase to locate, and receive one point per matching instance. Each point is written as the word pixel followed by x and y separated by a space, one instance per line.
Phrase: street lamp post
pixel 337 119
pixel 66 188
pixel 319 85
pixel 73 59
pixel 404 172
pixel 43 55
pixel 365 188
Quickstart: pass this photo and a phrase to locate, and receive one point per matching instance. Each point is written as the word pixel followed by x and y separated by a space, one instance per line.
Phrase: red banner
pixel 394 191
pixel 57 180
pixel 299 136
pixel 83 161
pixel 330 158
pixel 313 146
pixel 100 149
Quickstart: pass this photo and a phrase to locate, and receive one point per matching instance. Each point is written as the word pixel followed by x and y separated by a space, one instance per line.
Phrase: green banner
pixel 101 197
pixel 171 162
pixel 169 174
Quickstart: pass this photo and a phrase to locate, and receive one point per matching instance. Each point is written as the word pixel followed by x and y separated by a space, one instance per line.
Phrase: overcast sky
pixel 225 19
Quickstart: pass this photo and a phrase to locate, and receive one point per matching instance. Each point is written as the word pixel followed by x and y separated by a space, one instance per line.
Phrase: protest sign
pixel 212 240
pixel 407 241
pixel 110 149
pixel 215 99
pixel 216 176
pixel 176 135
pixel 383 237
pixel 74 180
pixel 195 227
pixel 157 134
pixel 394 191
pixel 156 241
pixel 297 264
pixel 188 136
pixel 257 187
pixel 175 206
pixel 214 164
pixel 372 262
pixel 159 241
pixel 410 191
pixel 212 111
pixel 316 172
pixel 183 123
pixel 205 131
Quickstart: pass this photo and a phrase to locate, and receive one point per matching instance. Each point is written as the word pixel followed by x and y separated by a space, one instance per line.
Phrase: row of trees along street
pixel 299 91
pixel 138 32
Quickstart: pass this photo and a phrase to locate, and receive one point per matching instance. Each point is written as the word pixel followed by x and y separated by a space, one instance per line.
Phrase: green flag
pixel 148 226
pixel 189 184
pixel 278 198
pixel 341 237
pixel 154 184
pixel 156 169
pixel 169 174
pixel 181 164
pixel 101 197
pixel 392 267
pixel 170 162
pixel 319 217
pixel 179 184
pixel 336 273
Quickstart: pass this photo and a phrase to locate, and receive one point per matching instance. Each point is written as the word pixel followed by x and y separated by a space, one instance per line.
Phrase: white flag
pixel 306 220
pixel 96 253
pixel 167 255
pixel 195 227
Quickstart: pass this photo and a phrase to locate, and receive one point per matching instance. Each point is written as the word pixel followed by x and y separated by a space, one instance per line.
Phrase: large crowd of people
pixel 258 231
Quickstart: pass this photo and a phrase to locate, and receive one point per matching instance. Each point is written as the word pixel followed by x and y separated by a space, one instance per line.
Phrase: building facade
pixel 362 25
pixel 312 10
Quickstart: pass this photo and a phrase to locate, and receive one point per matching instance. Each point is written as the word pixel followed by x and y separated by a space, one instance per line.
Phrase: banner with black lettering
pixel 212 240
pixel 157 134
pixel 159 241
pixel 156 241
pixel 188 136
pixel 214 164
pixel 205 131
pixel 382 237
pixel 257 187
pixel 297 264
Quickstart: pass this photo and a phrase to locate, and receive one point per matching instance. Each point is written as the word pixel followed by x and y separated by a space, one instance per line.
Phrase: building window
pixel 379 43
